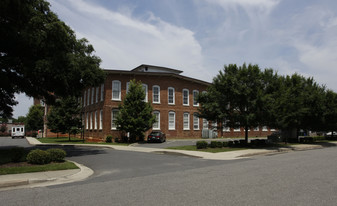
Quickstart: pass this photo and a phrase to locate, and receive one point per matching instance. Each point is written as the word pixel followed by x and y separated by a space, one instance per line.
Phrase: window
pixel 185 97
pixel 114 114
pixel 186 121
pixel 96 123
pixel 237 128
pixel 88 102
pixel 195 98
pixel 156 94
pixel 225 128
pixel 170 95
pixel 84 98
pixel 145 90
pixel 91 121
pixel 116 90
pixel 97 88
pixel 42 103
pixel 87 121
pixel 102 92
pixel 156 124
pixel 264 129
pixel 172 121
pixel 195 121
pixel 92 95
pixel 257 129
pixel 204 123
pixel 127 87
pixel 101 120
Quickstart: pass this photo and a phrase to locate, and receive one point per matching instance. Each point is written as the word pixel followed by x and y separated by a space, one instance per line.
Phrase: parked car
pixel 18 131
pixel 331 134
pixel 156 136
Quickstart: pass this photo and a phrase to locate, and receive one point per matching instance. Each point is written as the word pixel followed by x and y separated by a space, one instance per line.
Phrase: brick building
pixel 172 96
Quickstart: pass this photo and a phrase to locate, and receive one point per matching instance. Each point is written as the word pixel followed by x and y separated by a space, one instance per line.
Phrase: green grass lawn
pixel 65 140
pixel 37 168
pixel 212 150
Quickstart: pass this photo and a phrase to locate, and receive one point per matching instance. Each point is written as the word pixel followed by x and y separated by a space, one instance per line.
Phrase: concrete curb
pixel 40 179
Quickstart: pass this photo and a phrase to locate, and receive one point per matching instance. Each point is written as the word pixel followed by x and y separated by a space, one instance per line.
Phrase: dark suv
pixel 156 136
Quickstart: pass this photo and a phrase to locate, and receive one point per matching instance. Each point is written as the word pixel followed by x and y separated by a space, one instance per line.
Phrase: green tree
pixel 235 98
pixel 299 104
pixel 40 55
pixel 20 119
pixel 330 112
pixel 35 118
pixel 64 116
pixel 135 115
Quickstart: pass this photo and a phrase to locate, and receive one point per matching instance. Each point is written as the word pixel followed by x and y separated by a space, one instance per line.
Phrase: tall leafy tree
pixel 64 116
pixel 330 112
pixel 235 97
pixel 40 55
pixel 135 115
pixel 34 119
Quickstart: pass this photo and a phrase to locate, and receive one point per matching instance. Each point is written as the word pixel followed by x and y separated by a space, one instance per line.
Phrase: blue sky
pixel 201 36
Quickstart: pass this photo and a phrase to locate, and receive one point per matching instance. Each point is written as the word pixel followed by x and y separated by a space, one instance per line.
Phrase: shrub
pixel 39 157
pixel 202 144
pixel 213 144
pixel 225 144
pixel 219 144
pixel 108 139
pixel 116 139
pixel 230 143
pixel 17 154
pixel 57 155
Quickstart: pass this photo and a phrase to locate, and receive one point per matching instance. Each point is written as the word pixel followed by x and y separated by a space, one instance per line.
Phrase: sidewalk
pixel 205 155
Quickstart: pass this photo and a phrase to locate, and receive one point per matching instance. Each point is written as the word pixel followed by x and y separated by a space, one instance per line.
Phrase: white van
pixel 18 131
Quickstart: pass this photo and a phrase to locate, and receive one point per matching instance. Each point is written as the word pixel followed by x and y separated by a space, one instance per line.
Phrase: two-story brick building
pixel 172 96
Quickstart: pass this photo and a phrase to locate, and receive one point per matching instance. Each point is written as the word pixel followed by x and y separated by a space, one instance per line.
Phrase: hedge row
pixel 41 157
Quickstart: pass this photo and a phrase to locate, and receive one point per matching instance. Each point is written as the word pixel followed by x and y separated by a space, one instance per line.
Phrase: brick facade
pixel 97 109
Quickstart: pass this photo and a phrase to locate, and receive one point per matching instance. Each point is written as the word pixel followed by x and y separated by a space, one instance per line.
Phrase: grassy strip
pixel 65 140
pixel 38 168
pixel 212 150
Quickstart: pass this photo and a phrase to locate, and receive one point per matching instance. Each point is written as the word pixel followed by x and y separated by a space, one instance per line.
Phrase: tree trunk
pixel 246 134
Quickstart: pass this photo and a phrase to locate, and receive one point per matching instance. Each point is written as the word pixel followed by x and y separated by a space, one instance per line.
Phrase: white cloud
pixel 124 42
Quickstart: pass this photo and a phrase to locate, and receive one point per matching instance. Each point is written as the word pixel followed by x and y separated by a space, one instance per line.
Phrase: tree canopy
pixel 246 97
pixel 40 55
pixel 64 116
pixel 34 120
pixel 135 115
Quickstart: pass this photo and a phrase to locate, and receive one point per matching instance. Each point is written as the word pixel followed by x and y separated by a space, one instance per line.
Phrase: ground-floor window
pixel 195 121
pixel 156 124
pixel 186 121
pixel 113 119
pixel 172 120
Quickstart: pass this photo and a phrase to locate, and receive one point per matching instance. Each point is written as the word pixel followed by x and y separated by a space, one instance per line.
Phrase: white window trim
pixel 91 121
pixel 196 123
pixel 264 129
pixel 113 127
pixel 96 123
pixel 97 89
pixel 102 92
pixel 174 120
pixel 157 128
pixel 155 86
pixel 146 91
pixel 188 97
pixel 87 121
pixel 256 129
pixel 188 121
pixel 119 90
pixel 88 102
pixel 168 96
pixel 205 123
pixel 101 120
pixel 92 95
pixel 194 98
pixel 225 128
